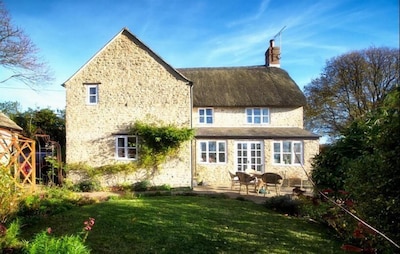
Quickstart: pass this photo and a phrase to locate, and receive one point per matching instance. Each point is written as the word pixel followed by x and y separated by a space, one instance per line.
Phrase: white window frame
pixel 123 152
pixel 208 156
pixel 203 117
pixel 286 154
pixel 89 95
pixel 251 116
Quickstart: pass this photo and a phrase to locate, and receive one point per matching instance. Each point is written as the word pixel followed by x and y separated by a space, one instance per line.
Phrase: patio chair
pixel 246 180
pixel 234 179
pixel 271 179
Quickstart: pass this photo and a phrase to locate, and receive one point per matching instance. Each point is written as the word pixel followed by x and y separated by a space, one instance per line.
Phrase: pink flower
pixel 89 224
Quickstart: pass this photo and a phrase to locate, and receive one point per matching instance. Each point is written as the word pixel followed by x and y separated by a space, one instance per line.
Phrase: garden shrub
pixel 44 243
pixel 283 204
pixel 9 237
pixel 10 195
pixel 141 186
pixel 365 161
pixel 89 185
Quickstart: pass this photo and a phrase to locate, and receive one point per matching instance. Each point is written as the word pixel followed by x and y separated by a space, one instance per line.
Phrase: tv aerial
pixel 279 34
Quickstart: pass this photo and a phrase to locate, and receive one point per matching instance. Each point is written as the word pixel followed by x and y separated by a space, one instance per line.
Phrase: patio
pixel 234 193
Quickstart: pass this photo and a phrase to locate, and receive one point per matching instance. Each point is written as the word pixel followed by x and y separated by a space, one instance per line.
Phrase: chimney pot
pixel 272 55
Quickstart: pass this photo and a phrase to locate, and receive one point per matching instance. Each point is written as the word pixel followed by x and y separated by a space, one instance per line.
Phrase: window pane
pixel 277 158
pixel 131 153
pixel 201 119
pixel 212 157
pixel 121 142
pixel 249 119
pixel 203 157
pixel 277 147
pixel 209 112
pixel 257 112
pixel 257 119
pixel 265 112
pixel 297 147
pixel 265 119
pixel 203 146
pixel 287 147
pixel 121 152
pixel 92 99
pixel 212 146
pixel 131 142
pixel 92 90
pixel 287 158
pixel 222 157
pixel 201 112
pixel 221 147
pixel 209 120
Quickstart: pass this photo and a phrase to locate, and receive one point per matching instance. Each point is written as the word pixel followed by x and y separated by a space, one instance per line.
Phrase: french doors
pixel 249 156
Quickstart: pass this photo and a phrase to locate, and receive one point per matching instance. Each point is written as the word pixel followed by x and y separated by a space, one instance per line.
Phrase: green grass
pixel 189 224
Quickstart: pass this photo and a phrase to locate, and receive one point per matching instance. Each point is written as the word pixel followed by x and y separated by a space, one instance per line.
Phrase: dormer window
pixel 92 94
pixel 206 115
pixel 257 115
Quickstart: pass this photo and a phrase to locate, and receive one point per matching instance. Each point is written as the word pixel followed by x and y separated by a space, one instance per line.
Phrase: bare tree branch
pixel 19 54
pixel 350 86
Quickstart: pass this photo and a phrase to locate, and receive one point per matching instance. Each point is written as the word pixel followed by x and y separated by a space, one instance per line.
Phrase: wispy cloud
pixel 252 16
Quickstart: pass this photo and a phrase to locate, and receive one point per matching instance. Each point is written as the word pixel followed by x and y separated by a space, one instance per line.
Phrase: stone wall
pixel 133 85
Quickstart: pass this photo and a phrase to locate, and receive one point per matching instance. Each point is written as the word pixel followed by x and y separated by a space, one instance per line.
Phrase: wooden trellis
pixel 17 153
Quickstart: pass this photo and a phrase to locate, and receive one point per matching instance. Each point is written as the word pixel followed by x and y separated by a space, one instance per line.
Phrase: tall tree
pixel 10 108
pixel 350 86
pixel 18 54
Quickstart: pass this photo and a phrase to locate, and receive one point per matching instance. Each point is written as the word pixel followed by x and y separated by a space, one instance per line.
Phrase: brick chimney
pixel 272 55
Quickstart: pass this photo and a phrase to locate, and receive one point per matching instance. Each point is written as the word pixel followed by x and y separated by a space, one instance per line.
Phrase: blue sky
pixel 198 33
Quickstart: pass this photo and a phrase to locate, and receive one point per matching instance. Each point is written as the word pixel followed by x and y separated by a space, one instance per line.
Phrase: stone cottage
pixel 245 118
pixel 123 83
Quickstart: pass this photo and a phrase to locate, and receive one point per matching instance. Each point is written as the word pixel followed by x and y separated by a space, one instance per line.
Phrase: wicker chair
pixel 271 179
pixel 234 179
pixel 246 180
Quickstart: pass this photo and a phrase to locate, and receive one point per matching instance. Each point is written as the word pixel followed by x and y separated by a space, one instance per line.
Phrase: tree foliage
pixel 18 53
pixel 38 121
pixel 350 86
pixel 366 163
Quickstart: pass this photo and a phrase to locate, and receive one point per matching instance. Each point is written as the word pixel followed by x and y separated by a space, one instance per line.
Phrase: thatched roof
pixel 255 133
pixel 7 123
pixel 255 86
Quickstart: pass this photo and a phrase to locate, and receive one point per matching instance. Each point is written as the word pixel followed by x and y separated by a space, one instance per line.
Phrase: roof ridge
pixel 225 68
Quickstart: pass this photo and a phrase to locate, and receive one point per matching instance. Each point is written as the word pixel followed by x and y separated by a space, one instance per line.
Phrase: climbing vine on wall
pixel 158 142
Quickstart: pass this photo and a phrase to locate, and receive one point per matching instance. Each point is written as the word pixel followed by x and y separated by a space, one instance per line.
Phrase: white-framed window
pixel 126 147
pixel 206 115
pixel 212 151
pixel 257 115
pixel 288 152
pixel 92 94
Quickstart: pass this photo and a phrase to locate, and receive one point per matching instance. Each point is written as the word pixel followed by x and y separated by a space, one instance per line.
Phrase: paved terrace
pixel 234 193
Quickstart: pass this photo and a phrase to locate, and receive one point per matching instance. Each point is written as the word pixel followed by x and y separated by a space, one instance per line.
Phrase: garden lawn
pixel 188 224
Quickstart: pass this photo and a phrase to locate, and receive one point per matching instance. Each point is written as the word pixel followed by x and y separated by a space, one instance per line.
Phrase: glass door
pixel 249 156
